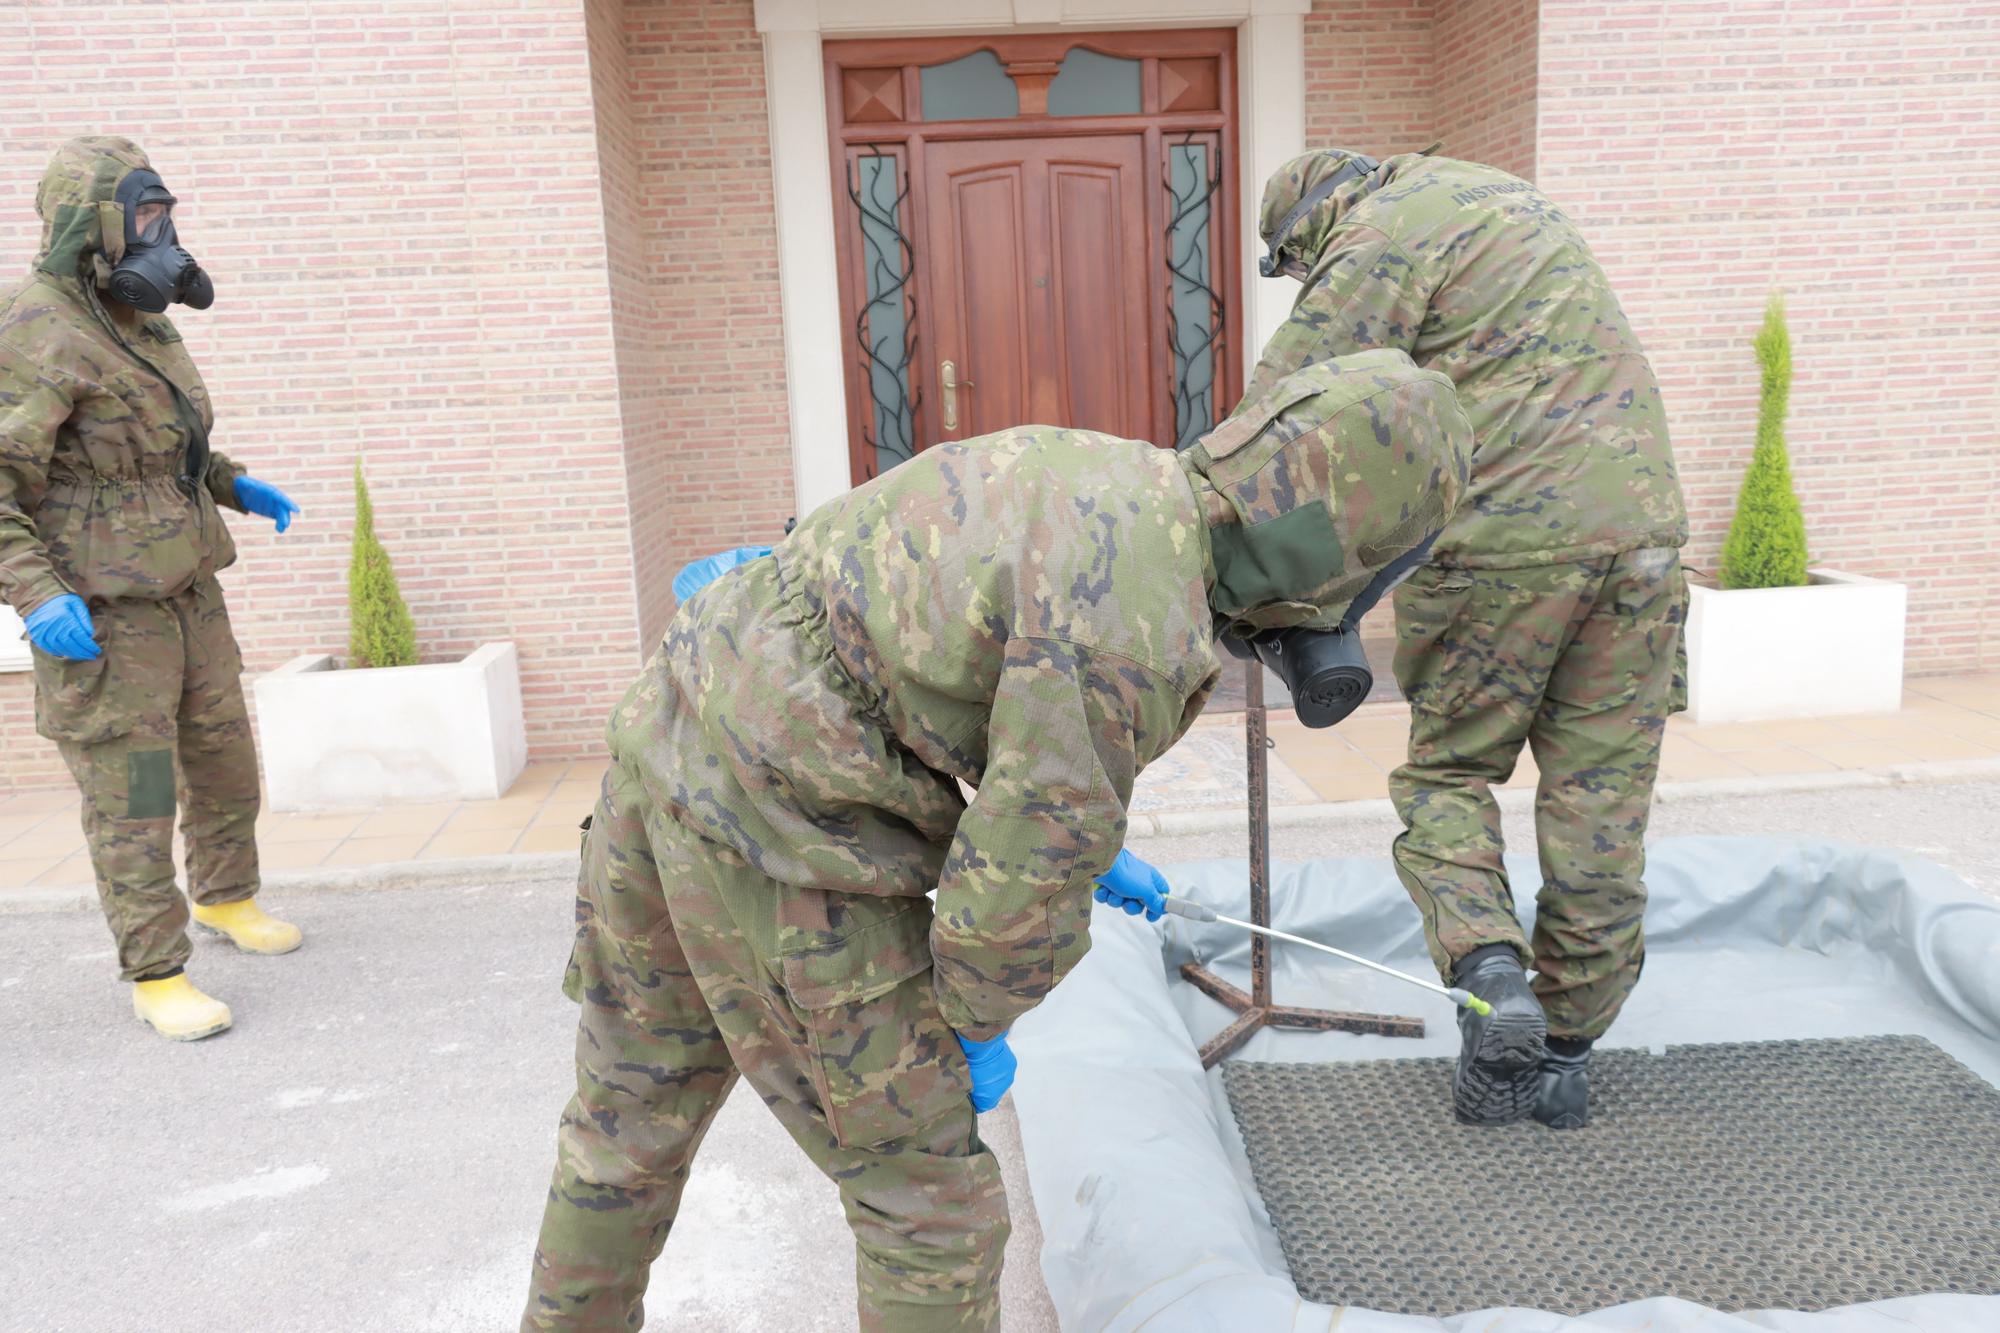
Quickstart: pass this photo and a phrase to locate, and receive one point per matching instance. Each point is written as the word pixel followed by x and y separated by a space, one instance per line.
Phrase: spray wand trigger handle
pixel 1467 1000
pixel 1191 910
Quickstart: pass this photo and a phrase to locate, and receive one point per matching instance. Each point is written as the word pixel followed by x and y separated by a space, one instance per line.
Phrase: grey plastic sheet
pixel 1150 1218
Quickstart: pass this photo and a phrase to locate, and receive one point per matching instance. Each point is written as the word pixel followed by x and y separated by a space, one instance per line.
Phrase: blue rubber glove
pixel 693 578
pixel 266 501
pixel 992 1066
pixel 1134 886
pixel 61 627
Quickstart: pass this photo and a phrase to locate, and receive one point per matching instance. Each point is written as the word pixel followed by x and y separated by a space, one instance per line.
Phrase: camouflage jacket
pixel 102 415
pixel 1476 274
pixel 1028 613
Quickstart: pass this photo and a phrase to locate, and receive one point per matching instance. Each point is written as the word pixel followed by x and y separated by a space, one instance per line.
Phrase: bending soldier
pixel 1550 614
pixel 110 542
pixel 1030 612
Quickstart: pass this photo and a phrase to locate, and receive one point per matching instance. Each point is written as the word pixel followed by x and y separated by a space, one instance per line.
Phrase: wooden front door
pixel 1035 230
pixel 1037 268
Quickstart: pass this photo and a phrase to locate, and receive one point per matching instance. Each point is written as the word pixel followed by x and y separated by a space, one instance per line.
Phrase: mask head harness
pixel 1325 670
pixel 1356 165
pixel 154 270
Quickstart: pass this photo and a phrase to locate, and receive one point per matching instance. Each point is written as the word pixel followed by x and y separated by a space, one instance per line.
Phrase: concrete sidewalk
pixel 1948 728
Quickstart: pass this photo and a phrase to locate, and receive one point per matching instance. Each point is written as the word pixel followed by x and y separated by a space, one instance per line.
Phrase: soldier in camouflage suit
pixel 1551 612
pixel 108 514
pixel 1031 613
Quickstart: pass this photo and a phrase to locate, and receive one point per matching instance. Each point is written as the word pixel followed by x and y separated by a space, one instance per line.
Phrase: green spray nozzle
pixel 1467 1000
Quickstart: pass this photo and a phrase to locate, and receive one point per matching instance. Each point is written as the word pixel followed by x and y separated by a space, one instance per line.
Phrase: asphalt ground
pixel 369 1148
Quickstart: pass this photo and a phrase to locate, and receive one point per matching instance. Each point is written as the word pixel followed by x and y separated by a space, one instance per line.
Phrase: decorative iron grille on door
pixel 1035 229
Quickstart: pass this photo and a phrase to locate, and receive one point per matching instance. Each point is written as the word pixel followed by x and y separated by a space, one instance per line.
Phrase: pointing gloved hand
pixel 61 627
pixel 266 501
pixel 992 1066
pixel 1134 886
pixel 698 575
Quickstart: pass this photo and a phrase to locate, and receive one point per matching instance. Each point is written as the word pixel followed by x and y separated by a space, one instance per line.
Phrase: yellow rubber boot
pixel 177 1010
pixel 248 927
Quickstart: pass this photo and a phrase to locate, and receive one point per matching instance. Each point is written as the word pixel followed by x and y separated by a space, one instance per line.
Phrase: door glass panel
pixel 974 87
pixel 1194 304
pixel 1090 84
pixel 884 325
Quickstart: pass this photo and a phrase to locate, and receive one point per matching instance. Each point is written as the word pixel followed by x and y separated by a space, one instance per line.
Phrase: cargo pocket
pixel 70 702
pixel 1428 607
pixel 882 1058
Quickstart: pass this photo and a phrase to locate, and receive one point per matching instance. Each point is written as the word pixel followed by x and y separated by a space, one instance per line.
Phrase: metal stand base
pixel 1256 1010
pixel 1250 1016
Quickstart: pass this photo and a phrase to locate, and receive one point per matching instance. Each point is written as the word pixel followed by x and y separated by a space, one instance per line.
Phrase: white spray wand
pixel 1196 912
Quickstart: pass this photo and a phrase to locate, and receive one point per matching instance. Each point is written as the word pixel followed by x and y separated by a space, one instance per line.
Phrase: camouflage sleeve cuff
pixel 222 475
pixel 28 598
pixel 961 1020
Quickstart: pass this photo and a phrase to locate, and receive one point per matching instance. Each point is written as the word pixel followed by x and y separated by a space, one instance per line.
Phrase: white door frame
pixel 1270 126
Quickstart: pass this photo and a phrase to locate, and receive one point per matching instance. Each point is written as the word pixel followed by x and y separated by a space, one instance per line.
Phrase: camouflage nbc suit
pixel 1551 612
pixel 108 490
pixel 1030 613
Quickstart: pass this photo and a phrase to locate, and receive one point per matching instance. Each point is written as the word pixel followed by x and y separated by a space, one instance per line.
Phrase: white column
pixel 802 171
pixel 1271 130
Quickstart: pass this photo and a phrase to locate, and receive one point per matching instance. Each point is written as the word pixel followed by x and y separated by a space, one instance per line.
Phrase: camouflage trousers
pixel 1582 663
pixel 157 724
pixel 692 968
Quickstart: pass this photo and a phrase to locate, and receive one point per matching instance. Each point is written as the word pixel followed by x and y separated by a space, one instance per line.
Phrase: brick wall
pixel 1393 76
pixel 1847 151
pixel 635 322
pixel 399 201
pixel 1483 81
pixel 700 333
pixel 1369 71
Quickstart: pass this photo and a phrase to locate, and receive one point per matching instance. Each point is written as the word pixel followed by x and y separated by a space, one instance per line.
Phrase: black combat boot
pixel 1562 1098
pixel 1499 1054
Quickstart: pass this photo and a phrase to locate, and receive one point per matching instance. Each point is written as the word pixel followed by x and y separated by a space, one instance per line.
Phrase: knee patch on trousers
pixel 149 784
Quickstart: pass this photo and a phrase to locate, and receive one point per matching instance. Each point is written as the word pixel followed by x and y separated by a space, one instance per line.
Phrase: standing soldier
pixel 109 545
pixel 1031 613
pixel 1551 612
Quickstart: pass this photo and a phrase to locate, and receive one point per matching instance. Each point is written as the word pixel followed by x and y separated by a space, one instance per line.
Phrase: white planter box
pixel 333 738
pixel 1832 647
pixel 13 642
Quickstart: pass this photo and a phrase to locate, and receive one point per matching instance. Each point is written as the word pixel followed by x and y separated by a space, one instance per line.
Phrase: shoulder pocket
pixel 1249 422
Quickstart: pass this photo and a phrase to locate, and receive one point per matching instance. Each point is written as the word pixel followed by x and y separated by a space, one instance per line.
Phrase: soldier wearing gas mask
pixel 110 542
pixel 1030 613
pixel 1550 612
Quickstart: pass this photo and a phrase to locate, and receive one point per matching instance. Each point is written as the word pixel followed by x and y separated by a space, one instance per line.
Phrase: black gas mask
pixel 154 269
pixel 1325 670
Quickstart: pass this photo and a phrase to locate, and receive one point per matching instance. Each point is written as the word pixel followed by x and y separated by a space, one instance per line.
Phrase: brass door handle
pixel 948 380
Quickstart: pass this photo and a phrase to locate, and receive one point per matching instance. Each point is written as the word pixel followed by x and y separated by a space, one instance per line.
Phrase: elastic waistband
pixel 805 615
pixel 96 479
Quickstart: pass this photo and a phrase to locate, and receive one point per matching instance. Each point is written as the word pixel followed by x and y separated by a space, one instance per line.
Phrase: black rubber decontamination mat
pixel 1790 1174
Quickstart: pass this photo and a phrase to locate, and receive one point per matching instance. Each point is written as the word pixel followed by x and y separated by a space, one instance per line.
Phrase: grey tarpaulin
pixel 1145 1197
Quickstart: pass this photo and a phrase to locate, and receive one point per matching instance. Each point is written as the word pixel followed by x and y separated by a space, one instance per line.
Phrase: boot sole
pixel 187 1036
pixel 241 947
pixel 1500 1084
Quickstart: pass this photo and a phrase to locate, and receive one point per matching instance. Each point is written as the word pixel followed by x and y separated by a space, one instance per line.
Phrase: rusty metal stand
pixel 1256 1010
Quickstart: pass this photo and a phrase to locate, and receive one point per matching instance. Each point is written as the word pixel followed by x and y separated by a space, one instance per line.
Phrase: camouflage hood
pixel 1330 475
pixel 83 226
pixel 1299 178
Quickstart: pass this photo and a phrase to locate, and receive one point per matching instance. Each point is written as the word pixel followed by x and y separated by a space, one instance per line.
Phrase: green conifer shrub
pixel 1766 547
pixel 381 633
